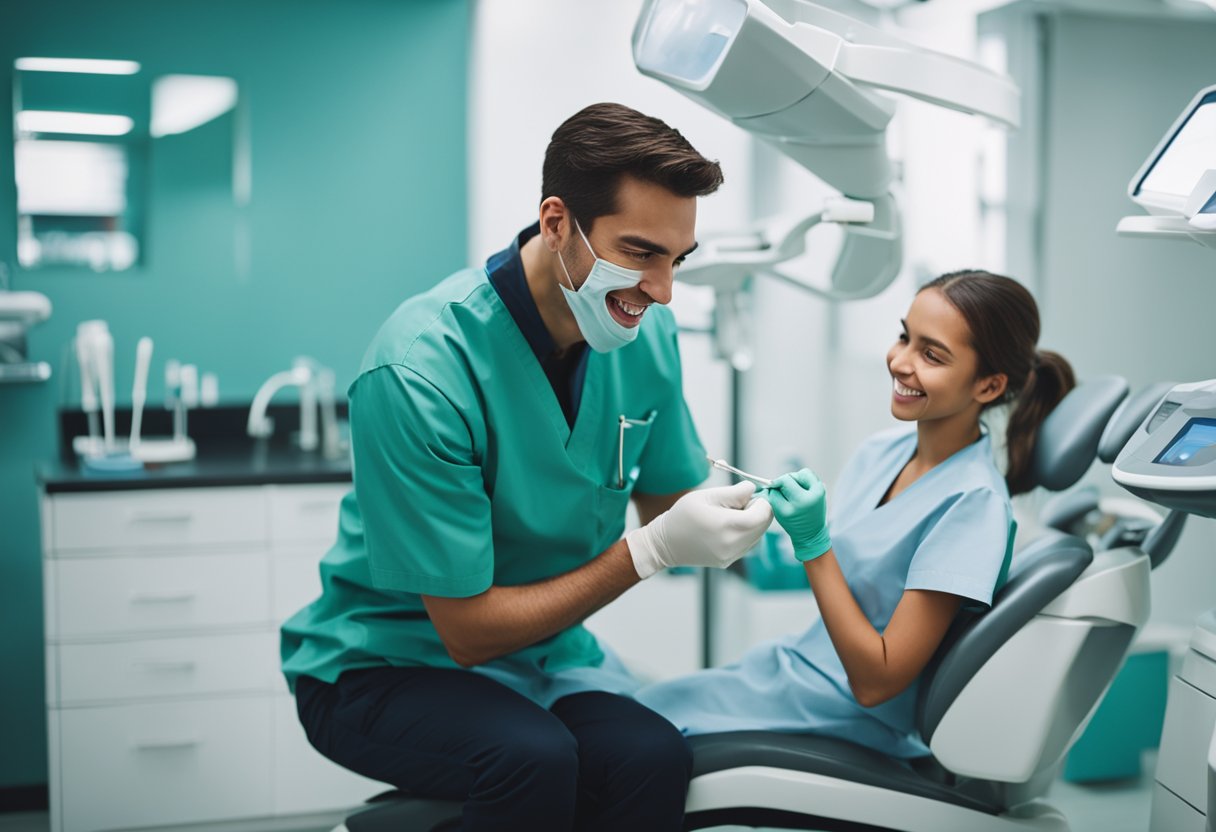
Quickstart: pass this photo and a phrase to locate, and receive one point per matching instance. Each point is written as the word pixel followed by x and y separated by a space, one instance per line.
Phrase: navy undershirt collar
pixel 567 372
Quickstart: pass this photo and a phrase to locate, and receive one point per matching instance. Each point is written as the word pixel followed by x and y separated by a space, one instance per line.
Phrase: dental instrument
pixel 88 392
pixel 176 448
pixel 723 465
pixel 139 390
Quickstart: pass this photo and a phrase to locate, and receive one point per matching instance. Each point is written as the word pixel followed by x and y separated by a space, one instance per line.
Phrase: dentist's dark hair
pixel 1004 322
pixel 593 149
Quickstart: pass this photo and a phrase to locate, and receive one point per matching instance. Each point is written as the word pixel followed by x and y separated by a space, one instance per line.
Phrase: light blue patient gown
pixel 950 531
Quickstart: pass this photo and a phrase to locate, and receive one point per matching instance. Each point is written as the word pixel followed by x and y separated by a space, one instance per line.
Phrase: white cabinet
pixel 165 704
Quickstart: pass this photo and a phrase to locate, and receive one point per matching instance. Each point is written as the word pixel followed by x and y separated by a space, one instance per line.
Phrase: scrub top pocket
pixel 631 437
pixel 612 497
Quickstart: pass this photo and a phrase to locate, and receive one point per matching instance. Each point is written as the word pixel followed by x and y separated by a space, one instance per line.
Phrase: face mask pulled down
pixel 602 332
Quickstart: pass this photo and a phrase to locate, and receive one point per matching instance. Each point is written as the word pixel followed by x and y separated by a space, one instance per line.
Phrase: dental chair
pixel 1111 524
pixel 1004 697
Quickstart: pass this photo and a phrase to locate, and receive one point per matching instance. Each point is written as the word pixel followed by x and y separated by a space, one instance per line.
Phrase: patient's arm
pixel 880 665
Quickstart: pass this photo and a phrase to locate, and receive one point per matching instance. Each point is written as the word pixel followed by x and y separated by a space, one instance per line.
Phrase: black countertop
pixel 225 457
pixel 237 464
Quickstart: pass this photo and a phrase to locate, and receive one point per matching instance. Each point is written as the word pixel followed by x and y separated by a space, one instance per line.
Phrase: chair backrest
pixel 1009 688
pixel 1044 569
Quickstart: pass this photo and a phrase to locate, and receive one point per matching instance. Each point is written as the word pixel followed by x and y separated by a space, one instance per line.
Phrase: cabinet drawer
pixel 241 662
pixel 306 513
pixel 176 518
pixel 160 764
pixel 304 781
pixel 297 583
pixel 96 597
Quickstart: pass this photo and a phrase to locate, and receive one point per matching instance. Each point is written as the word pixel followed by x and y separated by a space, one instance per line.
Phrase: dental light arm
pixel 807 81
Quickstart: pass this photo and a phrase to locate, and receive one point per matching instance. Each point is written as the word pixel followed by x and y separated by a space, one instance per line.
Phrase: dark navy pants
pixel 594 761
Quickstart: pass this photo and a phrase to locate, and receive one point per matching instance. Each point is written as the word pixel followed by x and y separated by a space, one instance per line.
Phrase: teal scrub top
pixel 467 475
pixel 950 531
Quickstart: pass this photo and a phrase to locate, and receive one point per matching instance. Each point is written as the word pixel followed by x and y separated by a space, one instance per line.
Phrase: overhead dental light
pixel 1177 182
pixel 809 81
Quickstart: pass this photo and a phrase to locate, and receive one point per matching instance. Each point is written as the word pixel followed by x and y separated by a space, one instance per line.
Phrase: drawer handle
pixel 162 597
pixel 161 516
pixel 165 665
pixel 165 744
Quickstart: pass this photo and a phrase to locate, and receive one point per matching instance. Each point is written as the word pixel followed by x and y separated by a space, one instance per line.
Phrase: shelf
pixel 25 373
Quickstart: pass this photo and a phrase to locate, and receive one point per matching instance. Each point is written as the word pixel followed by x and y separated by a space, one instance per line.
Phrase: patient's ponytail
pixel 1004 323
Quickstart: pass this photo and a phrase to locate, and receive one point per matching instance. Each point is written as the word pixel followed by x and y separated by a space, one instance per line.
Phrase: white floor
pixel 1114 807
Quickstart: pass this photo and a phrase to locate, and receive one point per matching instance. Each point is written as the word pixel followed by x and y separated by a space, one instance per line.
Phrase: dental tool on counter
pixel 723 465
pixel 88 393
pixel 181 392
pixel 95 354
pixel 209 390
pixel 139 390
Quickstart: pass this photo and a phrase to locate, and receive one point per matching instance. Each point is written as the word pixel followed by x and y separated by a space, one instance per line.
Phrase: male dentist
pixel 500 424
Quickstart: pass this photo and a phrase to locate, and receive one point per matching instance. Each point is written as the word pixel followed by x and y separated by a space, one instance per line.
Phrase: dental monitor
pixel 1176 185
pixel 1180 160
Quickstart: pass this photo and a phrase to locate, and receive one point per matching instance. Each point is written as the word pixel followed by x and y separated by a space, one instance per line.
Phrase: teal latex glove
pixel 800 504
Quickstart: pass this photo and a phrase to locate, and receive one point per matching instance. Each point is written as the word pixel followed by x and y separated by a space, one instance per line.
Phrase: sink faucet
pixel 316 385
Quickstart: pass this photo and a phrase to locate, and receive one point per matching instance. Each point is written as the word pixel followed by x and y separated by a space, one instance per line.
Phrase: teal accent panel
pixel 356 120
pixel 1127 722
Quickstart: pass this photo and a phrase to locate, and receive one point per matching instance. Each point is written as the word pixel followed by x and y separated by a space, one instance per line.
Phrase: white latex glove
pixel 709 527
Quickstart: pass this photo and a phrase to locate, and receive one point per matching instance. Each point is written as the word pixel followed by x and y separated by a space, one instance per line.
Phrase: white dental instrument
pixel 139 392
pixel 88 390
pixel 723 465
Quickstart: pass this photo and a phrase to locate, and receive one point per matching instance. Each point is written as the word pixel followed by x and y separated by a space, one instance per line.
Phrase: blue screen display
pixel 1194 445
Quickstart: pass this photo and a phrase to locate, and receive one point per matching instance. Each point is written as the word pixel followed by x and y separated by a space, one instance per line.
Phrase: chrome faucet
pixel 316 384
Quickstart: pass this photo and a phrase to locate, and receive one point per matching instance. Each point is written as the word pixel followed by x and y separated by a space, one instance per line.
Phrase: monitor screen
pixel 1194 445
pixel 1190 152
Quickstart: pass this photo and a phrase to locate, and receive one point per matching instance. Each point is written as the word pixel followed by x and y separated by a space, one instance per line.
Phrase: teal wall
pixel 356 115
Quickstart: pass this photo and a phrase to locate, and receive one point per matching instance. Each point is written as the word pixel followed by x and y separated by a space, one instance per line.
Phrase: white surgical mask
pixel 600 330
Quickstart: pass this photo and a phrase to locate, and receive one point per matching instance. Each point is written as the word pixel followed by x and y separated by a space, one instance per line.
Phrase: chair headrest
pixel 1128 417
pixel 1068 439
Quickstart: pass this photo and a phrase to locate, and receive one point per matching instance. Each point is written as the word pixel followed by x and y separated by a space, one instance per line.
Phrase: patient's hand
pixel 800 505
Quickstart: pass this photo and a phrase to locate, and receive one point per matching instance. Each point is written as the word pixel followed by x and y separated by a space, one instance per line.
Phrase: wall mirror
pixel 103 148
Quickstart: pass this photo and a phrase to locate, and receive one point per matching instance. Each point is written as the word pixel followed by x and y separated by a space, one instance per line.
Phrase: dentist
pixel 501 423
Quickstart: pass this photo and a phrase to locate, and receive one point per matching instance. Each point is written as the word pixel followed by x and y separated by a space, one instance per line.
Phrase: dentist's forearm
pixel 504 619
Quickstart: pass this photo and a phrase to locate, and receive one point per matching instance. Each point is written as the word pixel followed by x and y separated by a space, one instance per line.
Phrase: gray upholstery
pixel 1045 569
pixel 1063 511
pixel 1162 540
pixel 1128 417
pixel 1068 439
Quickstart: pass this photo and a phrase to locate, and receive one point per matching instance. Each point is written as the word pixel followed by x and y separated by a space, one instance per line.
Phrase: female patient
pixel 921 525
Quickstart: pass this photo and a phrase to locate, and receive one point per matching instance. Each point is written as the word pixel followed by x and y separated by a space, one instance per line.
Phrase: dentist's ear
pixel 554 222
